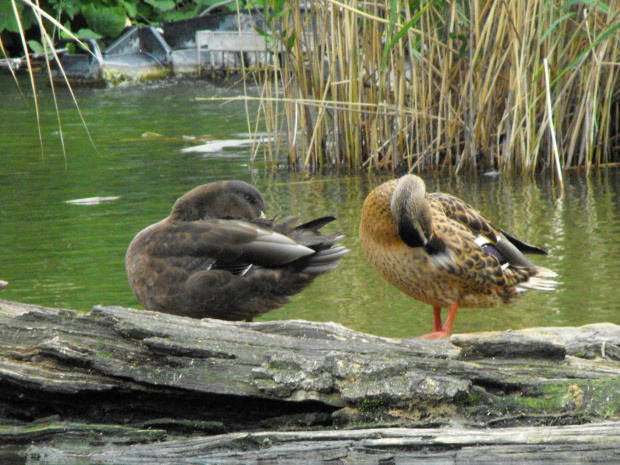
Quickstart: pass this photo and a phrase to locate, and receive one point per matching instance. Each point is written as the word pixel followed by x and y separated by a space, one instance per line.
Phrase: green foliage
pixel 162 5
pixel 403 32
pixel 104 20
pixel 275 11
pixel 7 16
pixel 36 46
pixel 98 18
pixel 87 34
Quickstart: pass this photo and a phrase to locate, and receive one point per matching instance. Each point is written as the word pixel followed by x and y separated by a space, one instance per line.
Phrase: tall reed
pixel 434 85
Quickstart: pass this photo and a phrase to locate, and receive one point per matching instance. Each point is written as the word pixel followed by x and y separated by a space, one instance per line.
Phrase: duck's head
pixel 411 211
pixel 223 199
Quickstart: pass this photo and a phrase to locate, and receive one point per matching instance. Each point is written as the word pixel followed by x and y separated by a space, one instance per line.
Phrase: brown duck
pixel 441 251
pixel 216 256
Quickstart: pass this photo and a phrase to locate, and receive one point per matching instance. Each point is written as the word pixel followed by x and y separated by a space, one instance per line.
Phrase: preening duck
pixel 217 256
pixel 439 250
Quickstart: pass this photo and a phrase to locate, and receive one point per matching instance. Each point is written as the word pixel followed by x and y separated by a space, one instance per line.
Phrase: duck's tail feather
pixel 541 281
pixel 320 241
pixel 325 260
pixel 522 246
pixel 317 223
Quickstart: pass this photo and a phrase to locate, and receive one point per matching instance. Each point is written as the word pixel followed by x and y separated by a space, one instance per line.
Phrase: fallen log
pixel 126 380
pixel 595 443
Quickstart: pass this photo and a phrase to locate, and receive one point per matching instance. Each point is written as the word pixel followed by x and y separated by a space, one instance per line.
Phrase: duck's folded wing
pixel 506 248
pixel 504 251
pixel 228 241
pixel 465 214
pixel 270 248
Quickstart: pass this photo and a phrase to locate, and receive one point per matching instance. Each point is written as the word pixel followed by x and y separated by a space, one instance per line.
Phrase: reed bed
pixel 478 85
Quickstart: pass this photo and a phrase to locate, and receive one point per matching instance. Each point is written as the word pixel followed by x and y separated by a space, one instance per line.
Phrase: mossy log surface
pixel 118 385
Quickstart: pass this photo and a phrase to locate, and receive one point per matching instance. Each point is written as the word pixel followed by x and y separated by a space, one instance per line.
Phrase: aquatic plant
pixel 434 85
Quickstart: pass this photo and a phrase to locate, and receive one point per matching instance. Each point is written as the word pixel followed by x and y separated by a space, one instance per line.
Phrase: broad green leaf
pixel 64 34
pixel 131 8
pixel 7 16
pixel 36 46
pixel 107 21
pixel 68 8
pixel 176 15
pixel 87 34
pixel 8 20
pixel 161 5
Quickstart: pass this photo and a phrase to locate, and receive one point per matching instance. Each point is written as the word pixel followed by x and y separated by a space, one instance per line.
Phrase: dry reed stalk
pixel 446 86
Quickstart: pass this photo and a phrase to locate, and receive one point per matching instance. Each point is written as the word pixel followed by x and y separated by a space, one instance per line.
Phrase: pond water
pixel 60 254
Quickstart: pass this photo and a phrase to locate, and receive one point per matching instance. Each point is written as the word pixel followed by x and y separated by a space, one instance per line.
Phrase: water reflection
pixel 65 255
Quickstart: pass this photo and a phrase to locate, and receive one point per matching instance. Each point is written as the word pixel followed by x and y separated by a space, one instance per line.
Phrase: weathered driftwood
pixel 597 443
pixel 123 380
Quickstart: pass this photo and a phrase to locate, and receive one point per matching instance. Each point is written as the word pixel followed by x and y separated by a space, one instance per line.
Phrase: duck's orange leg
pixel 436 319
pixel 447 328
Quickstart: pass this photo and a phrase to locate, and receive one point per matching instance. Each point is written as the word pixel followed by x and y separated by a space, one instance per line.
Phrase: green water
pixel 63 255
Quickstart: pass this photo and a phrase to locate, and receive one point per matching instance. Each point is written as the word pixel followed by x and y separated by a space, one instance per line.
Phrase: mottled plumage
pixel 441 251
pixel 217 256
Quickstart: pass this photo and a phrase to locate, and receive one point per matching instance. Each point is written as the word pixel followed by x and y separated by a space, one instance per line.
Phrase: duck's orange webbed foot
pixel 436 335
pixel 445 330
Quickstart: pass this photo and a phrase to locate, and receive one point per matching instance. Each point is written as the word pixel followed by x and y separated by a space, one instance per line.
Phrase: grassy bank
pixel 435 85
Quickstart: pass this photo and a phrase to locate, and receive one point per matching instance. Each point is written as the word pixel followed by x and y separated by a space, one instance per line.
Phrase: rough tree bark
pixel 118 385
